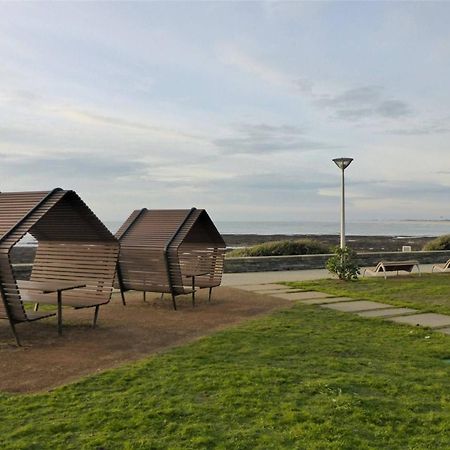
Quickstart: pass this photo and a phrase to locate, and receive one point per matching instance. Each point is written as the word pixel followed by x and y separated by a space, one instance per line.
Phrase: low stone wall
pixel 302 262
pixel 298 262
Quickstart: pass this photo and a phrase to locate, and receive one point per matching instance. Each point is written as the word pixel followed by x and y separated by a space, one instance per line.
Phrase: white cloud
pixel 232 56
pixel 240 109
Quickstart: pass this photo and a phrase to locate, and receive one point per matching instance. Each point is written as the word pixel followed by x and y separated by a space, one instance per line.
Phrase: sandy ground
pixel 123 334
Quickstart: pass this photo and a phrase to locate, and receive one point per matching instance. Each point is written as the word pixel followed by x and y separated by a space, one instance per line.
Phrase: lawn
pixel 429 292
pixel 302 378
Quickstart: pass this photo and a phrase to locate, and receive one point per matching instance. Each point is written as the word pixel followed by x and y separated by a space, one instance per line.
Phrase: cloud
pixel 421 129
pixel 364 102
pixel 117 121
pixel 232 56
pixel 275 181
pixel 402 190
pixel 72 165
pixel 266 139
pixel 352 97
pixel 18 97
pixel 393 109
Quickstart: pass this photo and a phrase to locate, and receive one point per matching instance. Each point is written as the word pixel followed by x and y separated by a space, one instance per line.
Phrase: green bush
pixel 343 264
pixel 279 248
pixel 440 243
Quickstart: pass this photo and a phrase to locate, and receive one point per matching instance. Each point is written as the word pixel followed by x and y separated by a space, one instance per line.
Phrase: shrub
pixel 278 248
pixel 440 243
pixel 343 264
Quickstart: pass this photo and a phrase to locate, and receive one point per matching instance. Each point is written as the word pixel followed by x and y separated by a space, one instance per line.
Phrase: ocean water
pixel 369 228
pixel 417 228
pixel 361 228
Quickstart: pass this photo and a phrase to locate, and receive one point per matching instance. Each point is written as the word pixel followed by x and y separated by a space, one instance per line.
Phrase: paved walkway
pixel 237 279
pixel 265 284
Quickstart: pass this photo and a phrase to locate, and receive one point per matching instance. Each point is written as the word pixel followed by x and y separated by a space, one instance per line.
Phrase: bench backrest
pixel 144 269
pixel 393 266
pixel 11 306
pixel 91 263
pixel 201 258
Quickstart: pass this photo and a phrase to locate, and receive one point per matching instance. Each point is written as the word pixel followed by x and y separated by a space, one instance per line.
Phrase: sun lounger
pixel 393 266
pixel 441 267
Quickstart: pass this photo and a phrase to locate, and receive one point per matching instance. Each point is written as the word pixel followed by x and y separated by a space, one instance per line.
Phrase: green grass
pixel 429 292
pixel 282 248
pixel 440 243
pixel 303 378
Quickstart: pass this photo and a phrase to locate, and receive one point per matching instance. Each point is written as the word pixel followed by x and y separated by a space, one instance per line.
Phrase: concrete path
pixel 252 278
pixel 363 308
pixel 258 278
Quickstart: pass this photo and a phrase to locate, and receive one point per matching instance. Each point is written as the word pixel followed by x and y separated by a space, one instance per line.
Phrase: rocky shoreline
pixel 25 254
pixel 358 243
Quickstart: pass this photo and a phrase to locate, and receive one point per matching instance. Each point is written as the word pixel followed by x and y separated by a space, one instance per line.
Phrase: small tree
pixel 343 264
pixel 440 243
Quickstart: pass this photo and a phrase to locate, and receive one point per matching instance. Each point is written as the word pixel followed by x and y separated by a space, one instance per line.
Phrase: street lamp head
pixel 342 163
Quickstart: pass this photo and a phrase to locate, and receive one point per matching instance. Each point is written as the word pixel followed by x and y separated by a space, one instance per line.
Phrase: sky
pixel 236 107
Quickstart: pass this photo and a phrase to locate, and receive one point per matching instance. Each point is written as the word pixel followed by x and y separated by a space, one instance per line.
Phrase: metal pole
pixel 342 210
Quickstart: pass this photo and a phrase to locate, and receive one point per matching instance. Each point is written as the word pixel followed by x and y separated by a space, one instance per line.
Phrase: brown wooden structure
pixel 169 251
pixel 74 249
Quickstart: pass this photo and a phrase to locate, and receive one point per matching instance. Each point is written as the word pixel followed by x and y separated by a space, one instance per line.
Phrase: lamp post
pixel 342 163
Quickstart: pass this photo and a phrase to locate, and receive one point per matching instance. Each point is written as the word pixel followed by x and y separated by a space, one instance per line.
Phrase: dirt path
pixel 124 334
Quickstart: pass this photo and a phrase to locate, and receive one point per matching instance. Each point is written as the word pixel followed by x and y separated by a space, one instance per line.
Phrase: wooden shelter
pixel 74 249
pixel 170 251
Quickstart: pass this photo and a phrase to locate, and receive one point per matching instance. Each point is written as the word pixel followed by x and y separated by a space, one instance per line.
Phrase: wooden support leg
pixel 174 302
pixel 162 296
pixel 124 303
pixel 145 299
pixel 94 324
pixel 209 295
pixel 193 292
pixel 16 337
pixel 59 313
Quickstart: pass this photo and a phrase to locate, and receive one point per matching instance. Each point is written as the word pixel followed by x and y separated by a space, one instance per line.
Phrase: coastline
pixel 358 243
pixel 25 254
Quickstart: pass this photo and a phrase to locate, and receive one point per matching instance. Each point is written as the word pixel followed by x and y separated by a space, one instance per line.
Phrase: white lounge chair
pixel 393 266
pixel 441 267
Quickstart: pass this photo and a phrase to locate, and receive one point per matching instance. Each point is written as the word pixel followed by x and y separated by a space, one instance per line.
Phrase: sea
pixel 417 228
pixel 398 228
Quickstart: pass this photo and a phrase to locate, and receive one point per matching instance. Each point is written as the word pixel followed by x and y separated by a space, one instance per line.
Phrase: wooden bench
pixel 393 266
pixel 76 255
pixel 169 251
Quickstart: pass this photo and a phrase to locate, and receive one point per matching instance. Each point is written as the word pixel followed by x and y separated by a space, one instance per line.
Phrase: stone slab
pixel 278 291
pixel 302 295
pixel 262 287
pixel 391 312
pixel 431 320
pixel 444 330
pixel 322 301
pixel 357 306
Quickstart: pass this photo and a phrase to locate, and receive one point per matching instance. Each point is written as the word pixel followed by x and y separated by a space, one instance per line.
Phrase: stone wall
pixel 302 262
pixel 299 262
